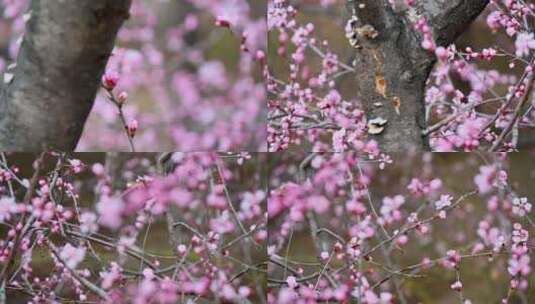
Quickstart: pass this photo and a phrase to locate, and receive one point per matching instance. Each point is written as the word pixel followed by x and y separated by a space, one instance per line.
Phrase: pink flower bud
pixel 110 80
pixel 182 249
pixel 132 128
pixel 195 240
pixel 260 56
pixel 291 281
pixel 442 53
pixel 222 22
pixel 148 273
pixel 457 286
pixel 427 44
pixel 121 99
pixel 244 291
pixel 191 23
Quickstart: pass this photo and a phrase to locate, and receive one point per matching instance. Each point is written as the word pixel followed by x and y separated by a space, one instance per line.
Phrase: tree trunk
pixel 392 68
pixel 45 101
pixel 179 234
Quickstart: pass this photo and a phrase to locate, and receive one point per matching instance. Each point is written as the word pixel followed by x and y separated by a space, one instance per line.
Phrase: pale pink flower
pixel 372 298
pixel 72 256
pixel 520 266
pixel 223 223
pixel 445 201
pixel 494 20
pixel 98 169
pixel 182 249
pixel 457 286
pixel 76 165
pixel 7 207
pixel 111 276
pixel 525 42
pixel 521 206
pixel 244 291
pixel 390 209
pixel 287 296
pixel 88 223
pixel 318 203
pixel 110 211
pixel 485 180
pixel 291 281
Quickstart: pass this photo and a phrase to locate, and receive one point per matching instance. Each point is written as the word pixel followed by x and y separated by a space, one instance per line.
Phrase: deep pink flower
pixel 110 80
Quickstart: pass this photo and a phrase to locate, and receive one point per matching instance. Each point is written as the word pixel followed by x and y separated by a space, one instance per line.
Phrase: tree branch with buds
pixel 47 97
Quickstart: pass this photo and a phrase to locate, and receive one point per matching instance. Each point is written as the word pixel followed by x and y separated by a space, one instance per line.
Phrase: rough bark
pixel 47 98
pixel 392 68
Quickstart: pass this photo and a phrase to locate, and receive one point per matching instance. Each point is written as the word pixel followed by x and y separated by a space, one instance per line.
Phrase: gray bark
pixel 392 68
pixel 61 61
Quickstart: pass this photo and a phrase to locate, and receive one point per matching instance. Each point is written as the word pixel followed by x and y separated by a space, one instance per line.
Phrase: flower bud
pixel 222 22
pixel 132 128
pixel 182 249
pixel 457 286
pixel 260 56
pixel 121 99
pixel 442 53
pixel 110 80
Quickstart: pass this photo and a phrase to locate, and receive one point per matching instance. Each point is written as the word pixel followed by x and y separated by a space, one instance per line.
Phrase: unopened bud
pixel 182 249
pixel 222 22
pixel 110 80
pixel 132 128
pixel 260 56
pixel 121 99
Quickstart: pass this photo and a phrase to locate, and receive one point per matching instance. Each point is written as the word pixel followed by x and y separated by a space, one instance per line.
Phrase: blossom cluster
pixel 306 107
pixel 344 229
pixel 80 230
